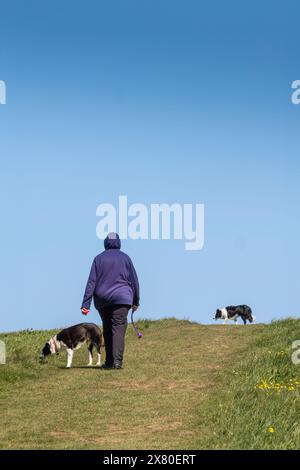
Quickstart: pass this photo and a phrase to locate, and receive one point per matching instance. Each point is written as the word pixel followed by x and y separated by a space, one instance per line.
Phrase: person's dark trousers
pixel 114 320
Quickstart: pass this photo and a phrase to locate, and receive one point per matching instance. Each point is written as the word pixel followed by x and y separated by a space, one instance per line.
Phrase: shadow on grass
pixel 81 367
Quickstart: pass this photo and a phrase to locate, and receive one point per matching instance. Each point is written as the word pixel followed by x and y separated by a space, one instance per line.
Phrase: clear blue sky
pixel 167 101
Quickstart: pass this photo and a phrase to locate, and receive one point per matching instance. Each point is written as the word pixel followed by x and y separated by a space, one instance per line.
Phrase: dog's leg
pixel 90 363
pixel 98 346
pixel 99 359
pixel 70 353
pixel 90 350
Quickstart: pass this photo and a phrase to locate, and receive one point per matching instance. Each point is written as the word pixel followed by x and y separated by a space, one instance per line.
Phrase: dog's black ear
pixel 46 350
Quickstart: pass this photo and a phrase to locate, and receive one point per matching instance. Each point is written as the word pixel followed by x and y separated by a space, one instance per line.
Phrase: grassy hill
pixel 184 386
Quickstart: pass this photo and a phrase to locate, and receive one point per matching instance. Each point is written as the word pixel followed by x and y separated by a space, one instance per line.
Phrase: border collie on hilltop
pixel 233 312
pixel 72 338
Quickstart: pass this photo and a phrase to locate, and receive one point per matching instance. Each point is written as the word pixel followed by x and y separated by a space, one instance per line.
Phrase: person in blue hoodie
pixel 113 285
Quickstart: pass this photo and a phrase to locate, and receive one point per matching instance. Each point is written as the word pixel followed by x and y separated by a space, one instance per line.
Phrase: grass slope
pixel 185 386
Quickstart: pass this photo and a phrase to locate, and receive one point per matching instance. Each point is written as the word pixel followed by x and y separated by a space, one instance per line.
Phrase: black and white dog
pixel 72 338
pixel 233 312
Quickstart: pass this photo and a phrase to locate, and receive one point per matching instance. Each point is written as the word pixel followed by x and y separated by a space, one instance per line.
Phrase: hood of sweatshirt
pixel 112 241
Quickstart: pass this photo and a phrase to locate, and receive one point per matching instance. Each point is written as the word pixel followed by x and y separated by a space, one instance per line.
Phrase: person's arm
pixel 135 285
pixel 89 290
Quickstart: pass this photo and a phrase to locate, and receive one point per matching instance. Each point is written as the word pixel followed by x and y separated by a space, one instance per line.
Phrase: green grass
pixel 259 407
pixel 184 386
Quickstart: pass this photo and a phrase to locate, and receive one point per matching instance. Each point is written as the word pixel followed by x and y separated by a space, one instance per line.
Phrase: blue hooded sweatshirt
pixel 112 280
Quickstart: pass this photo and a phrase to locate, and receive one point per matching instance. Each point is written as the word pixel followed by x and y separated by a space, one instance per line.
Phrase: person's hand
pixel 85 311
pixel 134 308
